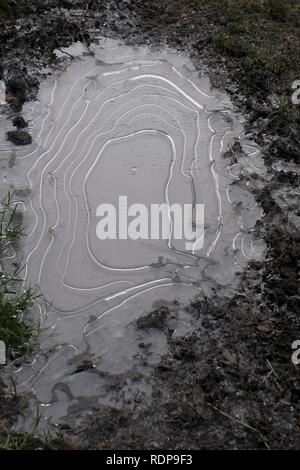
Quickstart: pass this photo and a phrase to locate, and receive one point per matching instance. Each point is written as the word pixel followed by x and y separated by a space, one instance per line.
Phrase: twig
pixel 64 52
pixel 267 376
pixel 271 367
pixel 233 418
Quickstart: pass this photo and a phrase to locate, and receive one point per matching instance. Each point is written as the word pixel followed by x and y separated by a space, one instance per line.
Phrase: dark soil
pixel 230 383
pixel 225 385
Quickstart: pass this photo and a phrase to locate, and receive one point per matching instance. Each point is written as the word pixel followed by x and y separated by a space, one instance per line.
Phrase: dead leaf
pixel 200 404
pixel 230 358
pixel 265 327
pixel 4 422
pixel 9 97
pixel 74 442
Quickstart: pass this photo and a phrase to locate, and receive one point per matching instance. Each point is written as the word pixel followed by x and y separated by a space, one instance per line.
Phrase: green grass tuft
pixel 17 332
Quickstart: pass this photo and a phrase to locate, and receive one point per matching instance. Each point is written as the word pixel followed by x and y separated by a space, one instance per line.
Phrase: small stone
pixel 144 345
pixel 19 121
pixel 265 326
pixel 19 137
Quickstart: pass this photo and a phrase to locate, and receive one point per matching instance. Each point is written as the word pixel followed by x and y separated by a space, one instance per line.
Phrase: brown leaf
pixel 73 442
pixel 4 422
pixel 200 404
pixel 9 97
pixel 230 358
pixel 265 327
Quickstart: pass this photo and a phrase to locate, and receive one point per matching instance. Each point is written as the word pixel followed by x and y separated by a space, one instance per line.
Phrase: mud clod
pixel 19 137
pixel 156 319
pixel 19 122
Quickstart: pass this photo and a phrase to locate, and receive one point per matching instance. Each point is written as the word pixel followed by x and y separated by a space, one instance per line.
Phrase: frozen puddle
pixel 124 121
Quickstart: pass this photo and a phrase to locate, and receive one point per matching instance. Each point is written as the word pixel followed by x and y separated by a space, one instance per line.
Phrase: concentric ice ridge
pixel 135 122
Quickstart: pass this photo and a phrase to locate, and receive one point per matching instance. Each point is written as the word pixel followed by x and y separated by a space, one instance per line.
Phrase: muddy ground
pixel 230 383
